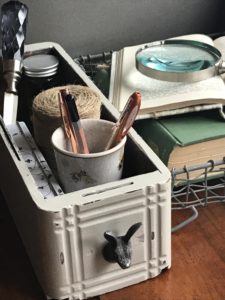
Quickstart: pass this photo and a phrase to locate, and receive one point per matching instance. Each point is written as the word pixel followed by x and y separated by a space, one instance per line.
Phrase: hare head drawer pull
pixel 118 249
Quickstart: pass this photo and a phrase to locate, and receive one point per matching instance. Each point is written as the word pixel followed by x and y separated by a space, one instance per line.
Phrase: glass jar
pixel 40 74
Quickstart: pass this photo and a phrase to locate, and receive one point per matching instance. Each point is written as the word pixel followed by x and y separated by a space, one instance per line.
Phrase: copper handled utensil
pixel 70 102
pixel 126 120
pixel 71 121
pixel 68 127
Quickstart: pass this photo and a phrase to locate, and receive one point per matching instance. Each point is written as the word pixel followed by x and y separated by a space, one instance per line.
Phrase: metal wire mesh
pixel 202 190
pixel 90 62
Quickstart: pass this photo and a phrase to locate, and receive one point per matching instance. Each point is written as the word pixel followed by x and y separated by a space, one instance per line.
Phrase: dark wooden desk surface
pixel 198 263
pixel 197 273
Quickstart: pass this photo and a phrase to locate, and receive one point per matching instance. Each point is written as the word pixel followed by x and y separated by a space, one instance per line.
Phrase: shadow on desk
pixel 17 278
pixel 197 273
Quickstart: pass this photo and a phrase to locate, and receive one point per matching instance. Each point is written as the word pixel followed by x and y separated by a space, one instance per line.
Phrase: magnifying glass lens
pixel 177 58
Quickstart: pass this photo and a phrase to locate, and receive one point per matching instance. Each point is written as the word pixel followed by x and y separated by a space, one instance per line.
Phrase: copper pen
pixel 75 130
pixel 126 120
pixel 78 129
pixel 68 127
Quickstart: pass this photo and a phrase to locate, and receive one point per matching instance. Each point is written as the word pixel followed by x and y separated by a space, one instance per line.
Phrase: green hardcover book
pixel 185 140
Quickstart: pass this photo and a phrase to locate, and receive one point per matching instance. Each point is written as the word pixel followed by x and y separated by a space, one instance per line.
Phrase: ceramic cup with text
pixel 78 171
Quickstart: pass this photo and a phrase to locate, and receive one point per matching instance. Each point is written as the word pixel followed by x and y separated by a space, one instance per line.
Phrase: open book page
pixel 196 37
pixel 157 95
pixel 160 95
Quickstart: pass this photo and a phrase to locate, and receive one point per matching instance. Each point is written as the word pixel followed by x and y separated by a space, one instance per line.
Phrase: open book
pixel 161 98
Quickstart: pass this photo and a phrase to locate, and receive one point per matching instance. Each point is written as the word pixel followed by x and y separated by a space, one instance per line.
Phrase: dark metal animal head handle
pixel 118 249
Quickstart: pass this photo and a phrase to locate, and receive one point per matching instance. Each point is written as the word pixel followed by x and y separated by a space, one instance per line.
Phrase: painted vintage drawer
pixel 64 234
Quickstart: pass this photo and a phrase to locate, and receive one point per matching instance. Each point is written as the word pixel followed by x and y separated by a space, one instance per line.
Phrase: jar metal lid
pixel 40 65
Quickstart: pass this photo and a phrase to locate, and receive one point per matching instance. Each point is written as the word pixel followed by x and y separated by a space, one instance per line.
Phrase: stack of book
pixel 186 140
pixel 184 123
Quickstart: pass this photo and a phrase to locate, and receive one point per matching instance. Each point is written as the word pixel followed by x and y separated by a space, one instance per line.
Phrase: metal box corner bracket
pixel 64 234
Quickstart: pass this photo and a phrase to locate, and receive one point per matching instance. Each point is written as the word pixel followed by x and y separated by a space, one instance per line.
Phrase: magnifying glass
pixel 179 61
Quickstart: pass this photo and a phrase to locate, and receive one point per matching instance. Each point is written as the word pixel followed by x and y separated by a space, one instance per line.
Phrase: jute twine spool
pixel 46 114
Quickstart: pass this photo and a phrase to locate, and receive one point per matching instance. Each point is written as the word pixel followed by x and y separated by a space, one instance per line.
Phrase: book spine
pixel 157 137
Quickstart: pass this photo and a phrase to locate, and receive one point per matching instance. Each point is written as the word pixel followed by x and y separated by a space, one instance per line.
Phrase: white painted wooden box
pixel 64 234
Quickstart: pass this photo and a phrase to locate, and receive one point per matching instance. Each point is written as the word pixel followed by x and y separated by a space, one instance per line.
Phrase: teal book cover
pixel 194 132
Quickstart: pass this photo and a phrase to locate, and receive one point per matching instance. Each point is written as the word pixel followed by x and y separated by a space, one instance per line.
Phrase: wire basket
pixel 200 191
pixel 91 62
pixel 190 192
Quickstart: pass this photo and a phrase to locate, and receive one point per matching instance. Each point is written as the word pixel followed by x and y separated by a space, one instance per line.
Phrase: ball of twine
pixel 46 115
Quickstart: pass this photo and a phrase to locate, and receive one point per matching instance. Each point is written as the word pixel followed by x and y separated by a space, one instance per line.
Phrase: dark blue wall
pixel 93 26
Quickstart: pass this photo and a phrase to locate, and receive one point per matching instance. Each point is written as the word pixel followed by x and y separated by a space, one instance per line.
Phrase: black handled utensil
pixel 13 28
